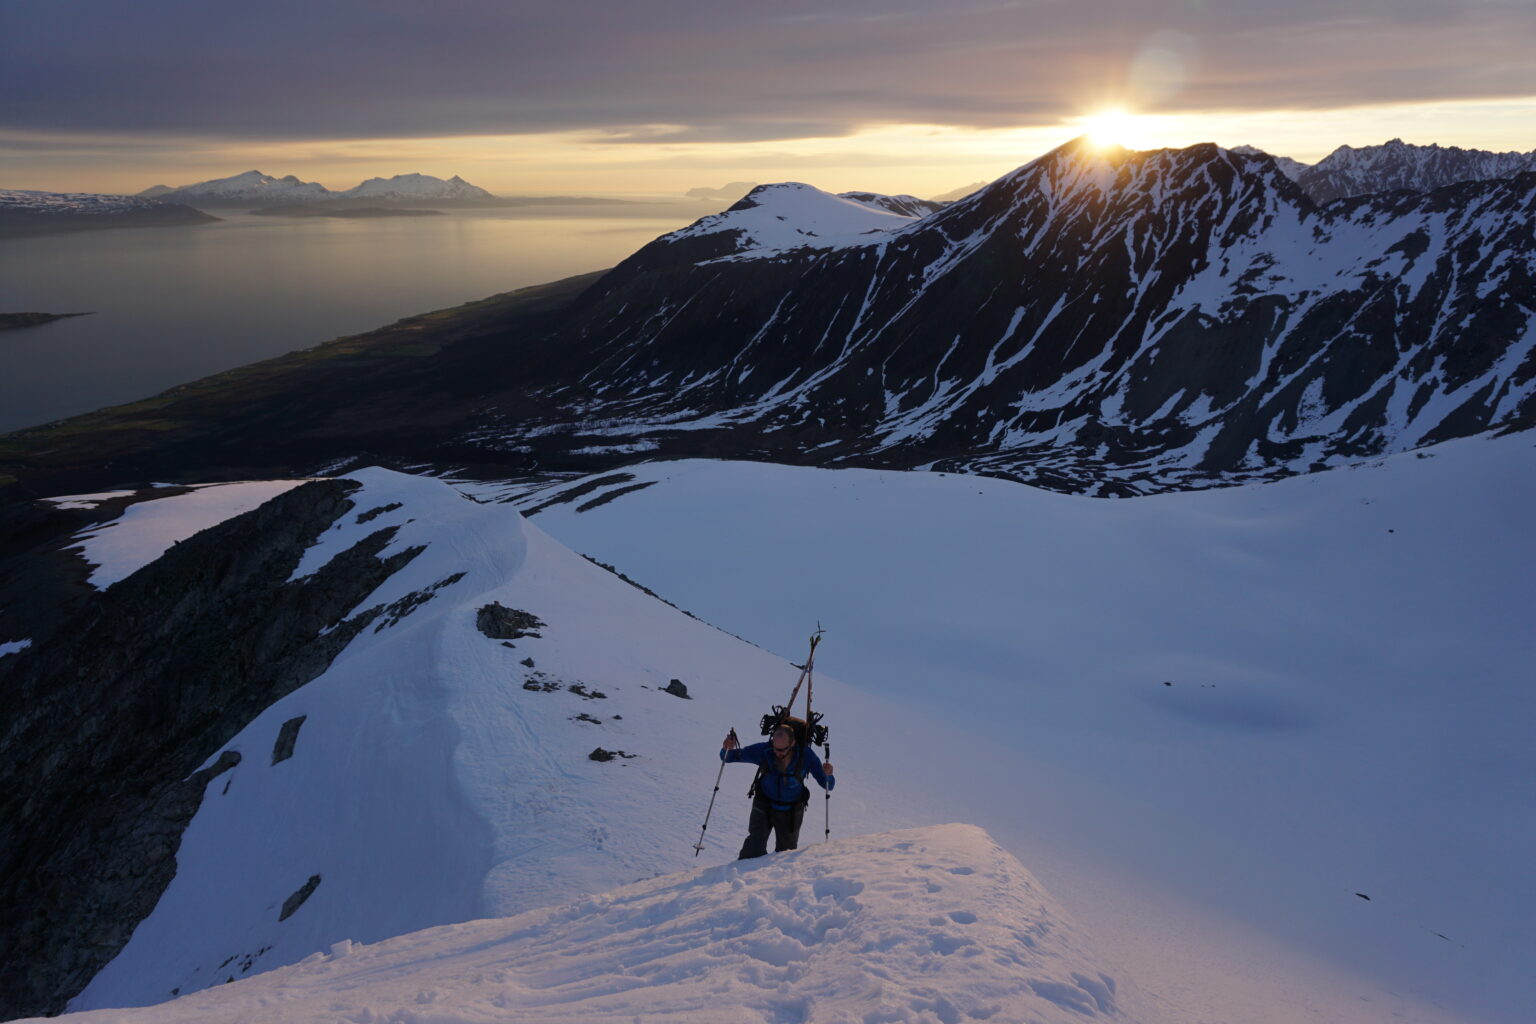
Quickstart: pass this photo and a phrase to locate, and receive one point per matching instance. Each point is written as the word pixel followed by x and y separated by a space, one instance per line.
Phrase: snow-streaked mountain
pixel 1291 168
pixel 29 211
pixel 414 186
pixel 249 187
pixel 1395 164
pixel 1110 322
pixel 928 924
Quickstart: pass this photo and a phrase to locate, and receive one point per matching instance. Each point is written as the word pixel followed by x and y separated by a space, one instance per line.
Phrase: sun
pixel 1113 127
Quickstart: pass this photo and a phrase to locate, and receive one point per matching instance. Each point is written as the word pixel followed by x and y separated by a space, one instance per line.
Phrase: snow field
pixel 1207 719
pixel 927 926
pixel 1252 703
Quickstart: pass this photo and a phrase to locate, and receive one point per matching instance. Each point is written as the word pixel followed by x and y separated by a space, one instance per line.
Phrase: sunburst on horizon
pixel 1115 126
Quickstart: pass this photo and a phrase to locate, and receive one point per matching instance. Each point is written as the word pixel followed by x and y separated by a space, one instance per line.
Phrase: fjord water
pixel 170 305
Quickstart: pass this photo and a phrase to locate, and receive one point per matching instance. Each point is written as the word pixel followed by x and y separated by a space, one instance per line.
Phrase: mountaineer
pixel 779 793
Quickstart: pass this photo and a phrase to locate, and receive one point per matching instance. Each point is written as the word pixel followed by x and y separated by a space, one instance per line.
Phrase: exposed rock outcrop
pixel 499 622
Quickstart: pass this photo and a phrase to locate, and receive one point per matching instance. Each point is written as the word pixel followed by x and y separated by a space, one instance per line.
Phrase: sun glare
pixel 1114 127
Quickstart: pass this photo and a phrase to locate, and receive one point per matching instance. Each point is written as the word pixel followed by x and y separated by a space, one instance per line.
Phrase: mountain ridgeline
pixel 1101 322
pixel 1395 164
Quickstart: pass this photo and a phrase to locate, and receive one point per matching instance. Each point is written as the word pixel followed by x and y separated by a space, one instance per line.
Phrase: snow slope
pixel 922 926
pixel 1253 702
pixel 440 775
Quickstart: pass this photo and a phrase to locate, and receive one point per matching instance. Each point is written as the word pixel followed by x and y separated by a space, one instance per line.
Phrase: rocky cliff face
pixel 111 725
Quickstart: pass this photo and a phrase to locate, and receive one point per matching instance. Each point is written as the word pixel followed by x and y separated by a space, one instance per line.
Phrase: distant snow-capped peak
pixel 254 186
pixel 416 186
pixel 246 186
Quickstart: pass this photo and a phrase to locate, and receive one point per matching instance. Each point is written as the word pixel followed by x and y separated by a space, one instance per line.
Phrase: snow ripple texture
pixel 921 926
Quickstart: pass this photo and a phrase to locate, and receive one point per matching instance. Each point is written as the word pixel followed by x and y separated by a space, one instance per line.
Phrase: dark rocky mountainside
pixel 1100 322
pixel 106 719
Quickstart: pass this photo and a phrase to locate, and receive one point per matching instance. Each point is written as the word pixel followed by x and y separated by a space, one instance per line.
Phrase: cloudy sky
pixel 662 95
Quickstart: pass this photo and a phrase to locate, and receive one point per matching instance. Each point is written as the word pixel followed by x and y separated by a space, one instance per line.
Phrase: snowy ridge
pixel 928 925
pixel 433 775
pixel 457 764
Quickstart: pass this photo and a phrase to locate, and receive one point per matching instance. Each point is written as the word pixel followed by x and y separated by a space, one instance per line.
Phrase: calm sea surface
pixel 171 305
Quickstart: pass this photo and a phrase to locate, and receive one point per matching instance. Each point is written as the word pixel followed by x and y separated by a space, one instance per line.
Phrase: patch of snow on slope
pixel 87 500
pixel 148 529
pixel 922 926
pixel 14 647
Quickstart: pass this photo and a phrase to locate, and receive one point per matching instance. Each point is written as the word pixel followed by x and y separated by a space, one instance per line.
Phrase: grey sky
pixel 723 70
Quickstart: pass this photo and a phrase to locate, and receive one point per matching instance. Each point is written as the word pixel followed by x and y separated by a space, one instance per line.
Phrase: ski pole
pixel 698 847
pixel 826 755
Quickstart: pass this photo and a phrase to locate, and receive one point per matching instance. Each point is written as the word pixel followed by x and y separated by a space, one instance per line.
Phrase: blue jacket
pixel 782 789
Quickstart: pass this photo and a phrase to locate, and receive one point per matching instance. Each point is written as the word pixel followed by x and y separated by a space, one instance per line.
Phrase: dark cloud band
pixel 706 71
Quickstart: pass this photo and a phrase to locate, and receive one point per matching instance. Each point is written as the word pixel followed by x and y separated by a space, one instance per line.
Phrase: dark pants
pixel 784 824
